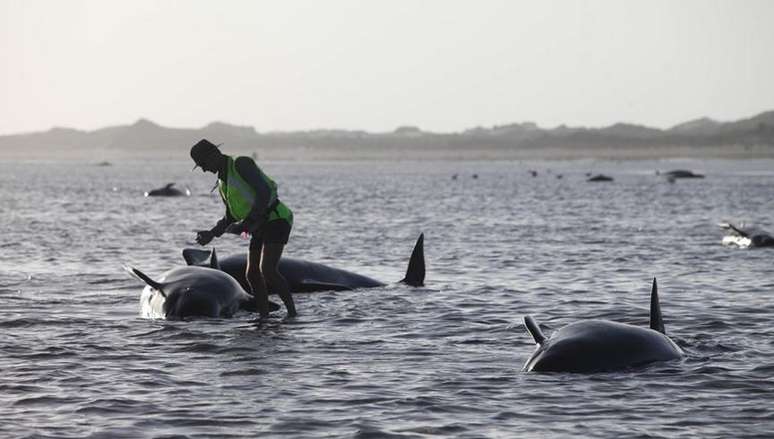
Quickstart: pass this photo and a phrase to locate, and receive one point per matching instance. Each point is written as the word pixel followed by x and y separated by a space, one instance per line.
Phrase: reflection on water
pixel 441 360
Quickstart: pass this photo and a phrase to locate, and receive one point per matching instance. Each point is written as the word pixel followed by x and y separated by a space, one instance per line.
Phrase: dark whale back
pixel 305 276
pixel 185 292
pixel 598 346
pixel 166 191
pixel 762 240
pixel 602 346
pixel 681 173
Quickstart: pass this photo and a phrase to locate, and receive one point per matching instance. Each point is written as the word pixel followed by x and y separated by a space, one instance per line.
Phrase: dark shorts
pixel 273 232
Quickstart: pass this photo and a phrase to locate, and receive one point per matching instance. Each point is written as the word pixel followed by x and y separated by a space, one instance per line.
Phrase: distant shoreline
pixel 404 153
pixel 703 138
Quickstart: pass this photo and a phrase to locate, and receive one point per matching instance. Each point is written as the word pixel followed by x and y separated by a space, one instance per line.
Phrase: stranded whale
pixel 672 176
pixel 184 292
pixel 306 277
pixel 599 177
pixel 167 191
pixel 747 237
pixel 601 345
pixel 679 173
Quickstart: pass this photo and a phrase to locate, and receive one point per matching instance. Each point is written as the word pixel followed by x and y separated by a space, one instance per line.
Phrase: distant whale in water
pixel 747 237
pixel 601 345
pixel 599 177
pixel 185 292
pixel 679 173
pixel 167 191
pixel 306 277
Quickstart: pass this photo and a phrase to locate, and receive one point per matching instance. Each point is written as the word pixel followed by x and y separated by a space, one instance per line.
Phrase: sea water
pixel 444 360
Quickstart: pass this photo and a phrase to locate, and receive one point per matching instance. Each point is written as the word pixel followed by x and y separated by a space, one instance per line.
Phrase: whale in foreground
pixel 307 277
pixel 602 346
pixel 185 292
pixel 747 237
pixel 167 191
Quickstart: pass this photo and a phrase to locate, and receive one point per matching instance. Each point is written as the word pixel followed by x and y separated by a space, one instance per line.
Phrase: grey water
pixel 77 360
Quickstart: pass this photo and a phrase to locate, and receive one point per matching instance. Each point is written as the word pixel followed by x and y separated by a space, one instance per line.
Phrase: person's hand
pixel 203 237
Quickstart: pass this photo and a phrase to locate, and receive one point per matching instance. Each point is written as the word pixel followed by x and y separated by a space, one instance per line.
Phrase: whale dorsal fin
pixel 169 185
pixel 145 278
pixel 656 322
pixel 196 256
pixel 214 260
pixel 415 274
pixel 534 329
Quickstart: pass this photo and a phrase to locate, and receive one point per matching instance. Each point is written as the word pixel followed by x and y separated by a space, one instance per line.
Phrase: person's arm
pixel 203 237
pixel 252 175
pixel 222 224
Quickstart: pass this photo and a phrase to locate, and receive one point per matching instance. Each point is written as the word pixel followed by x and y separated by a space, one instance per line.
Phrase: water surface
pixel 438 361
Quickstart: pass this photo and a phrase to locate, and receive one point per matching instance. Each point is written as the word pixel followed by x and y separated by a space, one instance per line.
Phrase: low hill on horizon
pixel 144 139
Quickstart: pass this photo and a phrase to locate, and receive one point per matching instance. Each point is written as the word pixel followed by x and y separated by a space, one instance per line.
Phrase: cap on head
pixel 203 150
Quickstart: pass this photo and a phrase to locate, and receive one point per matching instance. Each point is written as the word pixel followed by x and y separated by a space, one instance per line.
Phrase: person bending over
pixel 250 197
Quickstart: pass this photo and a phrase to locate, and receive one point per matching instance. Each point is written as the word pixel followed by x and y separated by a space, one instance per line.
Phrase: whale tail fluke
pixel 415 274
pixel 534 329
pixel 137 274
pixel 656 322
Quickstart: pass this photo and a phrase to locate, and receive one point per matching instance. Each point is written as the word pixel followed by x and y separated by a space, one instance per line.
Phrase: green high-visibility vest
pixel 239 196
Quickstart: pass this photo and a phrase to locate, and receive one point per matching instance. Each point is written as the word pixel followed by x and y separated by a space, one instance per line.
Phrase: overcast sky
pixel 374 65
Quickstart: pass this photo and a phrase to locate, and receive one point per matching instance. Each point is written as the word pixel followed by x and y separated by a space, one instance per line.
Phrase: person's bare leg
pixel 257 282
pixel 270 271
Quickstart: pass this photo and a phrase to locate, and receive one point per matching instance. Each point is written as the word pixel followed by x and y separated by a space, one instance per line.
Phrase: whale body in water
pixel 599 178
pixel 185 292
pixel 601 345
pixel 679 173
pixel 747 237
pixel 307 277
pixel 167 191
